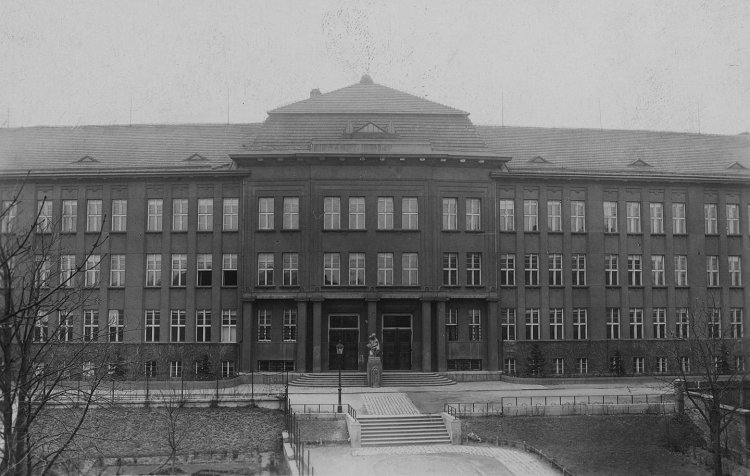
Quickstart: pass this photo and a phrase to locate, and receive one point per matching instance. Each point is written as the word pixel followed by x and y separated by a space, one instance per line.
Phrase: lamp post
pixel 340 353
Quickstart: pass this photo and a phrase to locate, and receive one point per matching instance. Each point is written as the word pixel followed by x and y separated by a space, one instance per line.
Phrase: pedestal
pixel 374 371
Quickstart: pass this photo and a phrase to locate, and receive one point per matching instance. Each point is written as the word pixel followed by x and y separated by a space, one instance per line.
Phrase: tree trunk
pixel 715 417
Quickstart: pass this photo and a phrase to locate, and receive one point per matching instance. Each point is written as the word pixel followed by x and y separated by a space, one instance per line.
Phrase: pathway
pixel 389 404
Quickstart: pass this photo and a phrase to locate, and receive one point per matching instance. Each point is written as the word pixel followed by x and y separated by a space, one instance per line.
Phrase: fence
pixel 301 456
pixel 522 445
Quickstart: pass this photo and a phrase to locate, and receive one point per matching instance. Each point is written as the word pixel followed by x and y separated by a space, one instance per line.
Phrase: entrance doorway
pixel 343 328
pixel 396 342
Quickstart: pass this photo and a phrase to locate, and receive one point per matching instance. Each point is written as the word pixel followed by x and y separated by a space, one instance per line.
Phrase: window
pixel 582 365
pixel 149 368
pixel 8 214
pixel 633 216
pixel 291 213
pixel 635 270
pixel 179 270
pixel 205 214
pixel 231 207
pixel 657 218
pixel 117 271
pixel 264 325
pixel 657 270
pixel 711 220
pixel 682 323
pixel 41 327
pixel 42 273
pixel 204 265
pixel 532 324
pixel 290 269
pixel 554 216
pixel 558 366
pixel 152 326
pixel 69 216
pixel 450 214
pixel 610 217
pixel 661 365
pixel 119 215
pixel 65 326
pixel 507 269
pixel 265 213
pixel 556 327
pixel 175 369
pixel 357 269
pixel 356 213
pixel 473 269
pixel 712 271
pixel 154 209
pixel 613 323
pixel 227 368
pixel 736 323
pixel 639 365
pixel 685 364
pixel 555 269
pixel 531 270
pixel 229 269
pixel 679 225
pixel 509 366
pixel 385 213
pixel 177 322
pixel 90 325
pixel 409 269
pixel 507 215
pixel 91 276
pixel 179 214
pixel 44 220
pixel 331 269
pixel 580 326
pixel 67 270
pixel 579 270
pixel 475 325
pixel 153 270
pixel 451 325
pixel 331 213
pixel 714 323
pixel 530 215
pixel 659 315
pixel 735 271
pixel 409 213
pixel 229 325
pixel 577 216
pixel 290 325
pixel 680 270
pixel 508 323
pixel 636 323
pixel 473 214
pixel 739 363
pixel 203 325
pixel 611 272
pixel 265 269
pixel 450 269
pixel 93 215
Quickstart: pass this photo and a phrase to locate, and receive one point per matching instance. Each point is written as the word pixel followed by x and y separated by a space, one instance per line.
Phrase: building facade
pixel 371 211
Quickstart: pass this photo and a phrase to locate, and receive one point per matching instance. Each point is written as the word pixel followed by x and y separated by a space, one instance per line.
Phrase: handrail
pixel 496 408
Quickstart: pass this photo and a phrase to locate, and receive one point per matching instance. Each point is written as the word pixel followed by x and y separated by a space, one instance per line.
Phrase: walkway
pixel 388 404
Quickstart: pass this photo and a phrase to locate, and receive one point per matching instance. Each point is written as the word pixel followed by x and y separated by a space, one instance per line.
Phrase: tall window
pixel 67 270
pixel 331 213
pixel 507 269
pixel 291 213
pixel 685 364
pixel 153 270
pixel 91 277
pixel 578 270
pixel 179 270
pixel 450 269
pixel 152 326
pixel 450 214
pixel 508 323
pixel 385 213
pixel 179 214
pixel 507 215
pixel 558 366
pixel 580 324
pixel 69 216
pixel 635 270
pixel 409 213
pixel 41 327
pixel 582 365
pixel 680 270
pixel 657 218
pixel 117 271
pixel 44 221
pixel 356 213
pixel 531 270
pixel 712 271
pixel 229 269
pixel 657 270
pixel 264 325
pixel 451 325
pixel 610 217
pixel 509 366
pixel 266 213
pixel 475 325
pixel 661 365
pixel 231 210
pixel 149 369
pixel 733 219
pixel 204 266
pixel 265 269
pixel 177 323
pixel 203 325
pixel 289 333
pixel 736 322
pixel 357 269
pixel 119 215
pixel 554 215
pixel 714 322
pixel 530 215
pixel 291 269
pixel 65 326
pixel 532 324
pixel 611 270
pixel 9 212
pixel 613 323
pixel 93 215
pixel 735 271
pixel 556 326
pixel 205 214
pixel 682 323
pixel 633 211
pixel 229 325
pixel 175 368
pixel 409 269
pixel 473 214
pixel 555 269
pixel 473 269
pixel 331 269
pixel 711 220
pixel 577 216
pixel 385 269
pixel 639 365
pixel 679 225
pixel 90 325
pixel 154 210
pixel 227 368
pixel 660 322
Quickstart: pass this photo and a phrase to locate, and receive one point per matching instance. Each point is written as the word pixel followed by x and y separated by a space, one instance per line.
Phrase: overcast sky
pixel 677 65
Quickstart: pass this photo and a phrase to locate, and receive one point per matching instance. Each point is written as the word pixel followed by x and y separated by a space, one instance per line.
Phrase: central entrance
pixel 344 328
pixel 396 342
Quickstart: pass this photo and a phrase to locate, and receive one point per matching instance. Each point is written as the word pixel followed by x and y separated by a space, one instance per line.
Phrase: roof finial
pixel 366 79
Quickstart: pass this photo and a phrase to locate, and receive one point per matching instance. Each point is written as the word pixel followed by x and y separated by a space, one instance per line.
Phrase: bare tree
pixel 176 424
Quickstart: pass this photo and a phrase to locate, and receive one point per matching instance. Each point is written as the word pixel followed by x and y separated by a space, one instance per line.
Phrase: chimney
pixel 314 93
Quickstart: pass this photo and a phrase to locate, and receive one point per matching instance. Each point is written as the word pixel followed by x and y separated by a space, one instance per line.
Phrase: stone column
pixel 426 336
pixel 301 362
pixel 442 362
pixel 317 329
pixel 493 343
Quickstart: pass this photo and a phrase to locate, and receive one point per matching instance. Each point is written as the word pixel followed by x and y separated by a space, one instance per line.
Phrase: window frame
pixel 290 213
pixel 205 214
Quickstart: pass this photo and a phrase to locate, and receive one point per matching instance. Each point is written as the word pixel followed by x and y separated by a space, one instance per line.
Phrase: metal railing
pixel 522 445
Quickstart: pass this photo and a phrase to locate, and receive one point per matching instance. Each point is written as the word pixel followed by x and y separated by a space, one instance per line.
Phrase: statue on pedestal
pixel 374 364
pixel 374 346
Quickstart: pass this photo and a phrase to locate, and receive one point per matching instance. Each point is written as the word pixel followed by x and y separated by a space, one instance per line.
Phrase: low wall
pixel 579 380
pixel 577 409
pixel 473 376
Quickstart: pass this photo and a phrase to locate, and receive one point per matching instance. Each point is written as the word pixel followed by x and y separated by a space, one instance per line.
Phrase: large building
pixel 368 210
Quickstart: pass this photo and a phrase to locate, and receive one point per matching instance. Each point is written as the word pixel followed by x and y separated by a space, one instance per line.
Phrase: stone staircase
pixel 359 379
pixel 397 430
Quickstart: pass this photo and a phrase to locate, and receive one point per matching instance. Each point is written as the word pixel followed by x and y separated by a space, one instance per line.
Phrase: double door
pixel 396 343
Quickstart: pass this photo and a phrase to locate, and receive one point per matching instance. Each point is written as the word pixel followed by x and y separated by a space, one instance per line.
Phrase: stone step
pixel 391 430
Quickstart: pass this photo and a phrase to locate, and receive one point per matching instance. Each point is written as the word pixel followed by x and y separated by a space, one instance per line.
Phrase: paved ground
pixel 389 404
